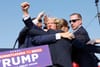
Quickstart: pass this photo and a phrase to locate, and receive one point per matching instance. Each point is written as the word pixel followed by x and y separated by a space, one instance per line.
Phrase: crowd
pixel 65 46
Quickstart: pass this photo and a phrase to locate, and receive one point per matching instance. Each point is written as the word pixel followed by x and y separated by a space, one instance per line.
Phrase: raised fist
pixel 25 5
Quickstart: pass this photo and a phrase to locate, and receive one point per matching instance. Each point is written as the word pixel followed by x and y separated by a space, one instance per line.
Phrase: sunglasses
pixel 39 20
pixel 74 20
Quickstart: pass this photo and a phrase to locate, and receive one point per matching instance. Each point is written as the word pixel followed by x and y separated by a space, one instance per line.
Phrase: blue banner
pixel 27 57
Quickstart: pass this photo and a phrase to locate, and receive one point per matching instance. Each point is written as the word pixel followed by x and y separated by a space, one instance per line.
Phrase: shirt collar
pixel 77 28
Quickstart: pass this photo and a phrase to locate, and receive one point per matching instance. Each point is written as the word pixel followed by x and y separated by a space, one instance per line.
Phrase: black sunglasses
pixel 74 20
pixel 40 20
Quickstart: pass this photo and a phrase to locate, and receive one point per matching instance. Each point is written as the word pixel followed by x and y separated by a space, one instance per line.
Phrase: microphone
pixel 15 43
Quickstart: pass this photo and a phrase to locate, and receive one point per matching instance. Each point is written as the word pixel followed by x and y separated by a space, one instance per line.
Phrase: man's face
pixel 75 22
pixel 51 24
pixel 39 24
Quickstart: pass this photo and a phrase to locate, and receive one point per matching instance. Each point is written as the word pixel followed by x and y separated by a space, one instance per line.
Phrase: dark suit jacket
pixel 60 50
pixel 22 36
pixel 31 30
pixel 85 47
pixel 24 39
pixel 84 58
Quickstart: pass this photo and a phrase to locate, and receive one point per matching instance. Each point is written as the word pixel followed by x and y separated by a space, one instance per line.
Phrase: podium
pixel 28 57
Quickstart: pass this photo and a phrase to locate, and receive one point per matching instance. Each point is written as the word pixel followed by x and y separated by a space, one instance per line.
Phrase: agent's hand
pixel 92 42
pixel 40 15
pixel 67 35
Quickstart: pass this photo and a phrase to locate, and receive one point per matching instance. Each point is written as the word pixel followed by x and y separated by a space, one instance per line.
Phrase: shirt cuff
pixel 26 17
pixel 58 36
pixel 35 21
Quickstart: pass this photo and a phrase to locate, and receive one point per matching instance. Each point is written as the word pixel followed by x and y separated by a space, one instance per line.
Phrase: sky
pixel 11 16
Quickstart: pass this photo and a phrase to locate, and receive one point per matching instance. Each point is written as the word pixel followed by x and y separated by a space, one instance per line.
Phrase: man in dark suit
pixel 60 53
pixel 83 58
pixel 24 32
pixel 24 37
pixel 60 50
